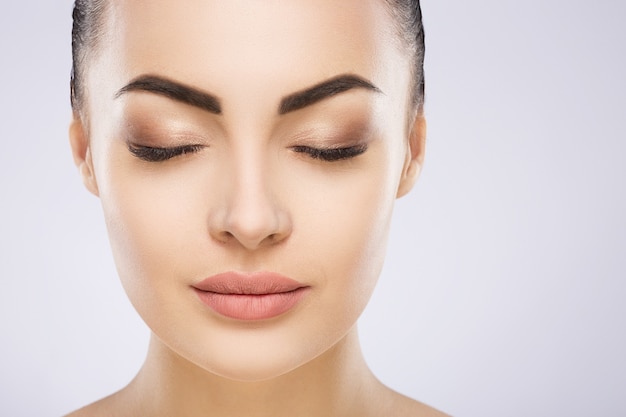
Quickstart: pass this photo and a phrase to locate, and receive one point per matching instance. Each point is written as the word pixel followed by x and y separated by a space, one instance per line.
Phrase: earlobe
pixel 81 152
pixel 414 160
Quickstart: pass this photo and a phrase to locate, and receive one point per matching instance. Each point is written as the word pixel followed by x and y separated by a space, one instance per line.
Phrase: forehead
pixel 214 42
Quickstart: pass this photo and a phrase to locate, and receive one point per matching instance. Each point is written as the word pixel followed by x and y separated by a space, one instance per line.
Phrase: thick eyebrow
pixel 175 91
pixel 194 97
pixel 323 90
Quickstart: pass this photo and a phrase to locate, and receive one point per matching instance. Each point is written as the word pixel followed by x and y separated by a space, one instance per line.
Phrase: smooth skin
pixel 248 194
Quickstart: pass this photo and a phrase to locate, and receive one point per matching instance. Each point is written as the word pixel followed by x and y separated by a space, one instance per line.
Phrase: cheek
pixel 342 228
pixel 149 218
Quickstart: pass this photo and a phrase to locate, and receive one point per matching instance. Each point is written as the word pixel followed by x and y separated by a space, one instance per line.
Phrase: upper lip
pixel 258 283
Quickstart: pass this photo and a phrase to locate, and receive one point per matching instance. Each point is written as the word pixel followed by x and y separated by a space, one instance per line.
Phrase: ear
pixel 81 152
pixel 414 160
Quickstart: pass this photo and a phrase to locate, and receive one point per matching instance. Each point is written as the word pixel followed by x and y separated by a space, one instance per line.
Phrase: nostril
pixel 225 236
pixel 274 237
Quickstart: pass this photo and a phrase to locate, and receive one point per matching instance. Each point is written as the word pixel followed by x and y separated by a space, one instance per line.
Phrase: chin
pixel 254 367
pixel 244 355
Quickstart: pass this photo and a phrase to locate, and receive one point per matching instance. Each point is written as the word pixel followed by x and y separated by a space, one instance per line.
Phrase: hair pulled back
pixel 87 29
pixel 89 21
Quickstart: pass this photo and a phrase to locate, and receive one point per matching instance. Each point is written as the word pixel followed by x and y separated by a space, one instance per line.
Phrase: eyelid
pixel 162 138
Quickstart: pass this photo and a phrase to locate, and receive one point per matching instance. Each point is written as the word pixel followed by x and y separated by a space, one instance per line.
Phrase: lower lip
pixel 252 306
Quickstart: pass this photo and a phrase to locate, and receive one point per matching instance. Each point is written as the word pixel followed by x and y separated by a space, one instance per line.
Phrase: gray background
pixel 504 290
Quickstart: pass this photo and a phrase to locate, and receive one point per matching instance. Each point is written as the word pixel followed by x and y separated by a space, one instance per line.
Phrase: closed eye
pixel 331 154
pixel 160 154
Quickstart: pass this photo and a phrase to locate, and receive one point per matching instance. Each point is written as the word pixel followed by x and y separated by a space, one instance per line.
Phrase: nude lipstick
pixel 258 296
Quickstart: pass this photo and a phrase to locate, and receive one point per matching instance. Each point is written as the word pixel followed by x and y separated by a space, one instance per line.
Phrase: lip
pixel 257 296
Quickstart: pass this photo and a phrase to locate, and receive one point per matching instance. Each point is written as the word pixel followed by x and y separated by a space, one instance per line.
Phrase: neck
pixel 338 382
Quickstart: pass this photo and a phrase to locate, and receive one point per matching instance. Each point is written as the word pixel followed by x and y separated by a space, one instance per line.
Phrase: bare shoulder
pixel 102 408
pixel 403 406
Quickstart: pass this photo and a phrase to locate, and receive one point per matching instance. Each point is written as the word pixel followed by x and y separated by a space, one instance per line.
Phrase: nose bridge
pixel 253 216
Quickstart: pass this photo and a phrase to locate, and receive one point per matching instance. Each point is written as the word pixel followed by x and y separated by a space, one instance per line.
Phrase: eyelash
pixel 331 154
pixel 157 154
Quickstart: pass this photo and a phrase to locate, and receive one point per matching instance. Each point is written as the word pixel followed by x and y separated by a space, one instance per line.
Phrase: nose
pixel 251 215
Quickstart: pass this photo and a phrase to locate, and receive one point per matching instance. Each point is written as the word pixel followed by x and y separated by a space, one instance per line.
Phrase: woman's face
pixel 246 183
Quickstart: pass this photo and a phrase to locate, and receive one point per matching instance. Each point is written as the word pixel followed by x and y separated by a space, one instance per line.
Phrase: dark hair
pixel 88 28
pixel 410 30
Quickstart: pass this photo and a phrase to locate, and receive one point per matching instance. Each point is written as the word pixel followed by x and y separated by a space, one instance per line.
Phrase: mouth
pixel 257 296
